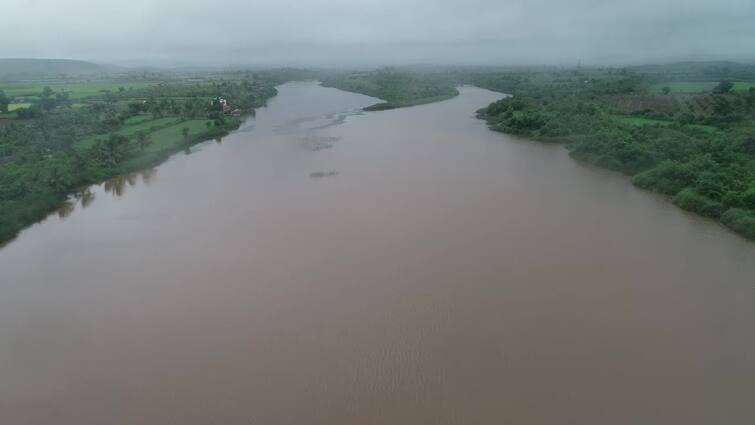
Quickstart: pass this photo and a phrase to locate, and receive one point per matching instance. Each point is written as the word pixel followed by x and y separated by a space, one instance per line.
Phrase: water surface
pixel 326 267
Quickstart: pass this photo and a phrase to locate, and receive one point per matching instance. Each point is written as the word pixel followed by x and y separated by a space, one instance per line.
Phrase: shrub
pixel 670 177
pixel 690 200
pixel 741 221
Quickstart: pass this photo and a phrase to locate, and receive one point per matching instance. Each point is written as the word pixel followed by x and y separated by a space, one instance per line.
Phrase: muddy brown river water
pixel 325 267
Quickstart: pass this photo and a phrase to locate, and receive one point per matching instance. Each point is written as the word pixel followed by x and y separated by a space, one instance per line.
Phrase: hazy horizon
pixel 392 32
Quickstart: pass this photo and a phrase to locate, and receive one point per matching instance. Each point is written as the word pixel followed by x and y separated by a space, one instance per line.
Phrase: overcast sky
pixel 321 32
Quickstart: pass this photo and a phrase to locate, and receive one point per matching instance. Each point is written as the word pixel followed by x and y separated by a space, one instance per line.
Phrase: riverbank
pixel 697 148
pixel 53 150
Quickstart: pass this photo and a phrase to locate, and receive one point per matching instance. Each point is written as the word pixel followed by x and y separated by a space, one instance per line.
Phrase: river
pixel 321 266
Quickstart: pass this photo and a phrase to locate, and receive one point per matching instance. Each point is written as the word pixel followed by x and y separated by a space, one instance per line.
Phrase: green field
pixel 164 133
pixel 697 86
pixel 169 137
pixel 13 106
pixel 138 123
pixel 79 90
pixel 138 119
pixel 130 129
pixel 641 121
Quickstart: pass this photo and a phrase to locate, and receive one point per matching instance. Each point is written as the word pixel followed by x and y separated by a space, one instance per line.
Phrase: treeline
pixel 697 148
pixel 42 159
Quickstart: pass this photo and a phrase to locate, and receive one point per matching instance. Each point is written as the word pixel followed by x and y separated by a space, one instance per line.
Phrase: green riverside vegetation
pixel 685 130
pixel 692 139
pixel 57 137
pixel 398 88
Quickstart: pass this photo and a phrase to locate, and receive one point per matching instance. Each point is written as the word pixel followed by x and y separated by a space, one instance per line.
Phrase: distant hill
pixel 695 71
pixel 17 69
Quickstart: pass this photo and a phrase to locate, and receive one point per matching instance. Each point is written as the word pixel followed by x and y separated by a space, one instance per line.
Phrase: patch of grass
pixel 639 121
pixel 149 125
pixel 13 106
pixel 138 119
pixel 171 139
pixel 79 90
pixel 706 128
pixel 743 86
pixel 172 136
pixel 697 86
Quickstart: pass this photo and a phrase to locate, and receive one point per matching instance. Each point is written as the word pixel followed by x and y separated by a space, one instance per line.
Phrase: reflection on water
pixel 421 270
pixel 117 185
pixel 66 208
pixel 87 197
pixel 148 175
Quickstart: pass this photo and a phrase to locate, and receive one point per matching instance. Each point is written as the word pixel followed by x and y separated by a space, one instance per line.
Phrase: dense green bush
pixel 741 221
pixel 670 177
pixel 690 200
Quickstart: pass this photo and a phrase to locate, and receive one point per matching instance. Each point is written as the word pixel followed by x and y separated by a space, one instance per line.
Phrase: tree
pixel 4 101
pixel 112 150
pixel 135 108
pixel 666 90
pixel 47 100
pixel 142 140
pixel 723 87
pixel 29 113
pixel 748 145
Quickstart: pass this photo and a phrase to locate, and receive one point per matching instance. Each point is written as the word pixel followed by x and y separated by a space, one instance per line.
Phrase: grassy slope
pixel 172 137
pixel 169 140
pixel 147 125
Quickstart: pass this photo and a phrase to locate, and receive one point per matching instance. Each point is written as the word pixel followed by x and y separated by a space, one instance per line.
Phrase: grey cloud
pixel 387 31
